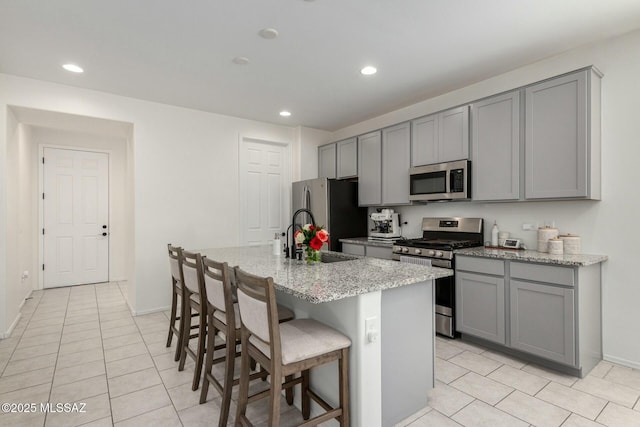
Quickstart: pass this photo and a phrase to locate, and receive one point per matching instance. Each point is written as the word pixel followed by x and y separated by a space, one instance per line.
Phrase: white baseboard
pixel 25 300
pixel 621 361
pixel 7 334
pixel 153 310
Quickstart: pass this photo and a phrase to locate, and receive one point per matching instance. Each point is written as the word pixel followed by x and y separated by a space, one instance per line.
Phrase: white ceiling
pixel 181 53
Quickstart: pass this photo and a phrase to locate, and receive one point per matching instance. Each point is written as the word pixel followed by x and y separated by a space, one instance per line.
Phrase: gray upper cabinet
pixel 495 147
pixel 562 137
pixel 327 161
pixel 396 146
pixel 370 169
pixel 347 158
pixel 424 142
pixel 454 134
pixel 440 137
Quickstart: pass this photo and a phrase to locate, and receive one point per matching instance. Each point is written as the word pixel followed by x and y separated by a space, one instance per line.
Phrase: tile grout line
pixel 104 357
pixel 157 372
pixel 156 367
pixel 58 353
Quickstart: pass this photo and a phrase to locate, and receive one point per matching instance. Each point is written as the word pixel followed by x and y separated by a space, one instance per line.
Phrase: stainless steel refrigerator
pixel 334 205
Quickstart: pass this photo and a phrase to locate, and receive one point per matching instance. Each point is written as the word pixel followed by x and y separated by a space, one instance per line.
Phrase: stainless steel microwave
pixel 441 181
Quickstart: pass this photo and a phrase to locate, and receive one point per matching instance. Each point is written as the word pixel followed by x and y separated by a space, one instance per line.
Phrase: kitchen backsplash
pixel 576 217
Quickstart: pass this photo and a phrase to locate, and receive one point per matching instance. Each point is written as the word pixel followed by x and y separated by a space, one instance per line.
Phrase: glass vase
pixel 312 256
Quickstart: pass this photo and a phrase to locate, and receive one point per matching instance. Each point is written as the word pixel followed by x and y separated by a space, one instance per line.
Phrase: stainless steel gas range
pixel 440 237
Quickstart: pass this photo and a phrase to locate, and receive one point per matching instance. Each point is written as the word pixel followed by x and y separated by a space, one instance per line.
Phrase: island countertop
pixel 325 282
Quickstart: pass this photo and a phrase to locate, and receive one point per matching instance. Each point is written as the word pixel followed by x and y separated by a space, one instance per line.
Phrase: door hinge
pixel 43 231
pixel 42 267
pixel 43 160
pixel 42 196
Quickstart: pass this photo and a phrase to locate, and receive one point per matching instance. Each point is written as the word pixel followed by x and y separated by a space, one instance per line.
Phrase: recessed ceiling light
pixel 285 113
pixel 241 60
pixel 268 33
pixel 73 68
pixel 369 70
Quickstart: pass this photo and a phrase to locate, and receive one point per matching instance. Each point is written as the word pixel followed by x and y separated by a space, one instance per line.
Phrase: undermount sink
pixel 328 258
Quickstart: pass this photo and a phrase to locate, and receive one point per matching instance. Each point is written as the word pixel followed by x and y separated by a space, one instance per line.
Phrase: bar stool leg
pixel 243 396
pixel 202 337
pixel 304 397
pixel 186 333
pixel 172 318
pixel 208 360
pixel 343 366
pixel 274 395
pixel 289 391
pixel 230 357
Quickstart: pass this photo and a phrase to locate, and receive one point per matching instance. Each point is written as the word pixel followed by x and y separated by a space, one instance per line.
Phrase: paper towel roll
pixel 572 244
pixel 544 234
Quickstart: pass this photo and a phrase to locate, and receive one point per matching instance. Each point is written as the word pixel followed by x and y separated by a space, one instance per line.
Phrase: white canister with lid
pixel 555 246
pixel 572 244
pixel 502 236
pixel 544 234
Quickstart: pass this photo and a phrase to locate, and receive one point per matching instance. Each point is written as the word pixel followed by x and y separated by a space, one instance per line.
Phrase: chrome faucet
pixel 293 251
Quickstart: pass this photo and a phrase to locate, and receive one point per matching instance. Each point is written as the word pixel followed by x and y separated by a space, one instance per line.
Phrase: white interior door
pixel 76 217
pixel 264 185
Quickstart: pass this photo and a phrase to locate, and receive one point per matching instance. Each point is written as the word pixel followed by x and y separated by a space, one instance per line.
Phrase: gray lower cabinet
pixel 353 249
pixel 347 158
pixel 396 157
pixel 327 161
pixel 562 137
pixel 367 250
pixel 495 147
pixel 480 306
pixel 550 312
pixel 543 320
pixel 370 169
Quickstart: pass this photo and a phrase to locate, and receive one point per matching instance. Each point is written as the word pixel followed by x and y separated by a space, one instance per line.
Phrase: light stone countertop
pixel 365 241
pixel 580 260
pixel 325 282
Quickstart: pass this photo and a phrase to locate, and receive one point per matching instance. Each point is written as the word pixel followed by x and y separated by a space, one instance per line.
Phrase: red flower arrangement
pixel 313 237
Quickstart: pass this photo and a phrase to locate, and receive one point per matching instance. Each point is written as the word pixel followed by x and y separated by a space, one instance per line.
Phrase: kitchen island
pixel 384 307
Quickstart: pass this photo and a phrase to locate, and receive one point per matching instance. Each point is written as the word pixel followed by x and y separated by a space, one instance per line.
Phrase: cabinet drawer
pixel 480 265
pixel 350 248
pixel 379 252
pixel 543 273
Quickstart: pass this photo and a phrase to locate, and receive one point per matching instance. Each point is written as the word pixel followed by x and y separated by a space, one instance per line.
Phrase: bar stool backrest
pixel 258 310
pixel 175 256
pixel 190 271
pixel 217 285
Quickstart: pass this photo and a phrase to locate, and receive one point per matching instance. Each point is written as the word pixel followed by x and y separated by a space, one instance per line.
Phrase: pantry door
pixel 75 217
pixel 264 190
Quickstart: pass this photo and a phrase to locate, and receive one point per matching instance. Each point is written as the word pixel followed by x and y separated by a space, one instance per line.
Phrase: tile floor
pixel 81 344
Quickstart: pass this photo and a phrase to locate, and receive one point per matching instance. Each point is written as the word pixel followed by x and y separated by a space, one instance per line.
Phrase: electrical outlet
pixel 529 227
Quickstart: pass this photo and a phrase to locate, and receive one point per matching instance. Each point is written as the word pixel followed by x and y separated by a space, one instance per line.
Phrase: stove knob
pixel 417 251
pixel 439 254
pixel 432 253
pixel 405 250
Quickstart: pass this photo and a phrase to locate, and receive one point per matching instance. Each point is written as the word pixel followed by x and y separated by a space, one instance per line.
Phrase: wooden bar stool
pixel 175 258
pixel 284 350
pixel 223 316
pixel 192 280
